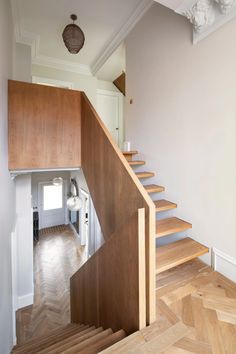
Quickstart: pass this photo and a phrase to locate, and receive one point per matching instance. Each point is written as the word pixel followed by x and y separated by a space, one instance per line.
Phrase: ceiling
pixel 105 23
pixel 114 66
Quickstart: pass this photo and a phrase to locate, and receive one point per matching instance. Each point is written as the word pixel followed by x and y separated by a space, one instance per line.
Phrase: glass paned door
pixel 51 205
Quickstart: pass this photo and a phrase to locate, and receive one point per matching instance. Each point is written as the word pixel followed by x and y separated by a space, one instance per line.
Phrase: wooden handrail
pixel 109 290
pixel 117 195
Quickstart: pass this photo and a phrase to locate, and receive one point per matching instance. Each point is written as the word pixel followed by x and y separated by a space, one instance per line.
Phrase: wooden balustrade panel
pixel 84 293
pixel 108 290
pixel 44 127
pixel 115 189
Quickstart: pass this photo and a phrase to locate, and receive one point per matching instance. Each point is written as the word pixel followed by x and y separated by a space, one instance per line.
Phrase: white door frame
pixel 14 259
pixel 120 97
pixel 66 217
pixel 84 239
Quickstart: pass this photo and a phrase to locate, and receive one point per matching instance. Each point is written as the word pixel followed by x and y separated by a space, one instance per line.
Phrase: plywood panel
pixel 107 290
pixel 44 127
pixel 115 189
pixel 120 83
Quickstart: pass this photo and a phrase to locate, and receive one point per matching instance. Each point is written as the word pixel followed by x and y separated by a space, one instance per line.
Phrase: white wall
pixel 7 200
pixel 24 221
pixel 88 84
pixel 21 62
pixel 38 177
pixel 24 234
pixel 183 119
pixel 106 85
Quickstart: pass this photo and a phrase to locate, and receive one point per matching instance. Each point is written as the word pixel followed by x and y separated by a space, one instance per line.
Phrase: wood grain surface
pixel 44 127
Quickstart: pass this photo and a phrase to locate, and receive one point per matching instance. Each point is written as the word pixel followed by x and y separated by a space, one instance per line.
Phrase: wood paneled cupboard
pixel 44 127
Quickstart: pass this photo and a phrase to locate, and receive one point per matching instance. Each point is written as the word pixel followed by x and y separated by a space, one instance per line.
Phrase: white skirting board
pixel 224 264
pixel 25 300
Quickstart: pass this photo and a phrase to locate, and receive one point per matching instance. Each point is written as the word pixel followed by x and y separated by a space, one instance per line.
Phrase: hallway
pixel 56 259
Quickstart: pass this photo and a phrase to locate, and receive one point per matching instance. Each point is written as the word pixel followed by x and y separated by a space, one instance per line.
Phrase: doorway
pixel 84 229
pixel 51 204
pixel 110 109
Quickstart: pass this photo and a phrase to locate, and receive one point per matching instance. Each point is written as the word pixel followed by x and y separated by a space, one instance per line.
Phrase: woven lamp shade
pixel 73 38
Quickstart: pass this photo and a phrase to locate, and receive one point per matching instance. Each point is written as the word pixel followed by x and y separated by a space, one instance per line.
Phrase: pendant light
pixel 73 37
pixel 57 181
pixel 74 203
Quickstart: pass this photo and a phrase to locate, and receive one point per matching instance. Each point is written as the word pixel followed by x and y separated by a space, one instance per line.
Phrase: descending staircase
pixel 175 253
pixel 71 339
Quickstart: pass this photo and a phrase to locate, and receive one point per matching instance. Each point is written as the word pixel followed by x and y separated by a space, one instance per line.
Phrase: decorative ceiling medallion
pixel 204 13
pixel 73 37
pixel 226 5
pixel 201 14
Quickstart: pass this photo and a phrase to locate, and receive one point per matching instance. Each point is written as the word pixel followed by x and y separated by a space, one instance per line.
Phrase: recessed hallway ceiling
pixel 103 22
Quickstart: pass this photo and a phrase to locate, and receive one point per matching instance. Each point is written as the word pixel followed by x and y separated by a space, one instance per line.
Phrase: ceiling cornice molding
pixel 119 37
pixel 219 21
pixel 59 64
pixel 206 16
pixel 33 40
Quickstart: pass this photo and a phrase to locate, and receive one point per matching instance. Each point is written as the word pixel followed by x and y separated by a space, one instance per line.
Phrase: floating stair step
pixel 104 343
pixel 145 174
pixel 170 226
pixel 132 152
pixel 177 253
pixel 136 163
pixel 153 188
pixel 164 205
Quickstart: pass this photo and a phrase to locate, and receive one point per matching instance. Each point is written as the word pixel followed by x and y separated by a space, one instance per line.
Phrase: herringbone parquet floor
pixel 196 307
pixel 200 305
pixel 196 313
pixel 56 259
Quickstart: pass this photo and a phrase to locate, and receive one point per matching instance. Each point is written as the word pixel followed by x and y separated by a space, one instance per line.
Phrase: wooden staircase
pixel 71 339
pixel 174 253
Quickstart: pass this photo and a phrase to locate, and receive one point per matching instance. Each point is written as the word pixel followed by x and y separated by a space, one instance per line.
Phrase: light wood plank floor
pixel 196 313
pixel 56 259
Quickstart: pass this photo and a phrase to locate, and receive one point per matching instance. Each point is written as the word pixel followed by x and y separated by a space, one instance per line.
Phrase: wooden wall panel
pixel 115 189
pixel 119 296
pixel 120 83
pixel 44 127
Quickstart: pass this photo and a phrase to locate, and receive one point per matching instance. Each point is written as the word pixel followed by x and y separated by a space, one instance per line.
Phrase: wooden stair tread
pixel 163 205
pixel 83 346
pixel 153 188
pixel 53 332
pixel 177 253
pixel 145 174
pixel 170 226
pixel 136 162
pixel 131 152
pixel 88 340
pixel 73 340
pixel 42 342
pixel 104 343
